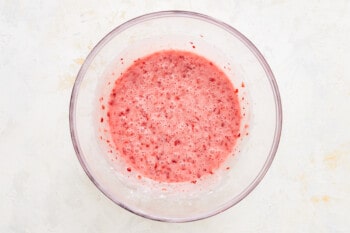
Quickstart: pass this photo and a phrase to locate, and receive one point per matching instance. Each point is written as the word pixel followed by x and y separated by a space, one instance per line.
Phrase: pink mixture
pixel 174 116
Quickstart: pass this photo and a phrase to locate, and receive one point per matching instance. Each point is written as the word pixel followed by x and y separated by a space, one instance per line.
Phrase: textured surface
pixel 44 189
pixel 166 109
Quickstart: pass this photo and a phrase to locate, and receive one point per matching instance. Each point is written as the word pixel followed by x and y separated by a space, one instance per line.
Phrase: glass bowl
pixel 241 62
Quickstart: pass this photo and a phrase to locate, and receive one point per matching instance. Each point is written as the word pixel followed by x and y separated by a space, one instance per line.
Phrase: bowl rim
pixel 194 15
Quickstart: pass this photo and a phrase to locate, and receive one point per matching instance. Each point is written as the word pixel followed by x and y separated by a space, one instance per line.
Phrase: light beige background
pixel 44 189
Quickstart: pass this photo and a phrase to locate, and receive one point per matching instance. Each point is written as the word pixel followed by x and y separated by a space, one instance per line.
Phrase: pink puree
pixel 174 116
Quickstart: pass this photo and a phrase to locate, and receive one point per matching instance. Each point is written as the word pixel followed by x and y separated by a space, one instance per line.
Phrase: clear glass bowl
pixel 247 70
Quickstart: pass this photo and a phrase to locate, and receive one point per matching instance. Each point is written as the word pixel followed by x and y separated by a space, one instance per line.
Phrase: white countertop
pixel 44 189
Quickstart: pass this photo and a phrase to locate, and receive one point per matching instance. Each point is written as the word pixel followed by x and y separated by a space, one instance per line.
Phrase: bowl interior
pixel 247 70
